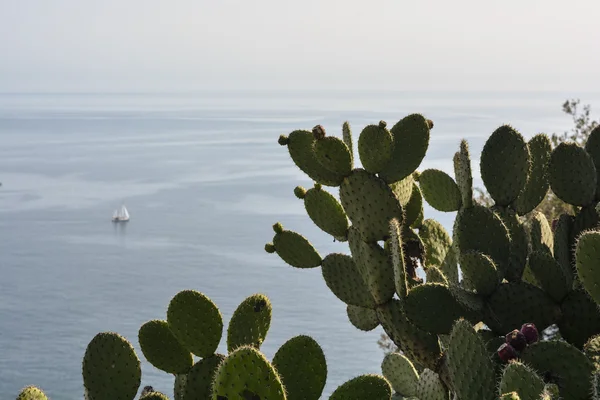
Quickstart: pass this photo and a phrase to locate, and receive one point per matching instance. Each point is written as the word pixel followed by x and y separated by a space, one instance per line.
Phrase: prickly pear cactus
pixel 503 267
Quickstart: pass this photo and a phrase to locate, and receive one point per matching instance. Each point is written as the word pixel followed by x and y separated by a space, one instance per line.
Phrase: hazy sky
pixel 147 45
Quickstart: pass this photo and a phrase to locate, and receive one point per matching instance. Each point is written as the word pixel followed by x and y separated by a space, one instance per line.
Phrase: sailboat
pixel 121 214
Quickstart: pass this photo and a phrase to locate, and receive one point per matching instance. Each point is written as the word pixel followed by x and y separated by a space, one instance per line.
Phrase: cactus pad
pixel 294 249
pixel 32 393
pixel 370 204
pixel 572 174
pixel 362 318
pixel 111 369
pixel 440 190
pixel 467 353
pixel 541 235
pixel 401 374
pixel 592 351
pixel 411 140
pixel 538 184
pixel 161 348
pixel 347 138
pixel 372 387
pixel 154 396
pixel 580 320
pixel 549 274
pixel 463 174
pixel 326 212
pixel 345 281
pixel 200 377
pixel 375 266
pixel 302 368
pixel 398 260
pixel 300 145
pixel 413 210
pixel 196 322
pixel 592 147
pixel 375 147
pixel 431 387
pixel 518 377
pixel 437 298
pixel 562 248
pixel 403 189
pixel 510 396
pixel 587 256
pixel 247 374
pixel 250 322
pixel 333 154
pixel 568 367
pixel 437 242
pixel 435 275
pixel 505 164
pixel 480 271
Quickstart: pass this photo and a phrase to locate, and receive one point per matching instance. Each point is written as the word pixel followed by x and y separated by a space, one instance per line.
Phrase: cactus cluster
pixel 185 346
pixel 502 266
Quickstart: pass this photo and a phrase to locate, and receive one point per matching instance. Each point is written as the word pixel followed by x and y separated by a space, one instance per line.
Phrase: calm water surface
pixel 204 180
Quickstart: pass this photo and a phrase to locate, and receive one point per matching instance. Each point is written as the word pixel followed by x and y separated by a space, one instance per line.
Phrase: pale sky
pixel 152 45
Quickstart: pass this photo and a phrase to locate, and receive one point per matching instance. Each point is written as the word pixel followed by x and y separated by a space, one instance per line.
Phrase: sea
pixel 204 180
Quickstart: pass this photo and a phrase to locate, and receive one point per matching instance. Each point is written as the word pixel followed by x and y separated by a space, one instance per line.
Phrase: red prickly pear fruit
pixel 517 340
pixel 530 332
pixel 506 352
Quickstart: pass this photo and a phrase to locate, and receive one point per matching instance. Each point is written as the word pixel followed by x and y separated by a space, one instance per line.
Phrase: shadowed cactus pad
pixel 431 387
pixel 196 322
pixel 200 378
pixel 467 353
pixel 325 211
pixel 520 378
pixel 302 368
pixel 345 281
pixel 246 373
pixel 505 164
pixel 111 369
pixel 372 387
pixel 581 319
pixel 480 270
pixel 549 274
pixel 161 348
pixel 362 318
pixel 440 190
pixel 437 298
pixel 32 393
pixel 538 183
pixel 401 374
pixel 411 139
pixel 437 242
pixel 294 249
pixel 375 147
pixel 370 204
pixel 333 155
pixel 463 174
pixel 592 147
pixel 587 255
pixel 250 323
pixel 572 174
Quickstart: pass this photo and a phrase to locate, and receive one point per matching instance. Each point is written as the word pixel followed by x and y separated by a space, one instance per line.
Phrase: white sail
pixel 124 215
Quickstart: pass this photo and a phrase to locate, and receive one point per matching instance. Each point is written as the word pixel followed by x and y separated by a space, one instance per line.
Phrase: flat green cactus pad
pixel 300 145
pixel 538 183
pixel 467 353
pixel 411 140
pixel 430 386
pixel 414 208
pixel 435 275
pixel 562 247
pixel 592 147
pixel 179 386
pixel 196 322
pixel 375 147
pixel 580 320
pixel 200 377
pixel 505 165
pixel 347 138
pixel 32 393
pixel 162 349
pixel 301 365
pixel 463 174
pixel 375 266
pixel 372 387
pixel 572 174
pixel 362 318
pixel 516 303
pixel 326 212
pixel 333 154
pixel 443 309
pixel 480 270
pixel 563 364
pixel 518 377
pixel 519 242
pixel 587 256
pixel 247 374
pixel 403 189
pixel 420 346
pixel 293 248
pixel 542 238
pixel 250 322
pixel 401 374
pixel 549 274
pixel 111 369
pixel 437 243
pixel 345 280
pixel 440 190
pixel 398 261
pixel 155 396
pixel 479 228
pixel 370 204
